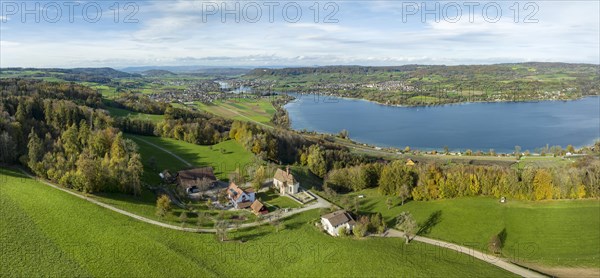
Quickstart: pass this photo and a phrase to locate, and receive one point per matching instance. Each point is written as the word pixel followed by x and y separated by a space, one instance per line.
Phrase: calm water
pixel 476 126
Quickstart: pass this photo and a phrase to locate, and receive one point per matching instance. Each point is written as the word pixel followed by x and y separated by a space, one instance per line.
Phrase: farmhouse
pixel 196 180
pixel 284 181
pixel 240 198
pixel 332 222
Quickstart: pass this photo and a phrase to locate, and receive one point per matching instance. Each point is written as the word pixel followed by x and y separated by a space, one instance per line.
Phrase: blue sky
pixel 359 32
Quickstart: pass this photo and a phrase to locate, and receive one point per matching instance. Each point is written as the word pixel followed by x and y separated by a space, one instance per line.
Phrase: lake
pixel 477 126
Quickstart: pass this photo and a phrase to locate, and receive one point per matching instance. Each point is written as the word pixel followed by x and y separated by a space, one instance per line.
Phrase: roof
pixel 257 207
pixel 284 176
pixel 235 192
pixel 244 205
pixel 189 177
pixel 338 218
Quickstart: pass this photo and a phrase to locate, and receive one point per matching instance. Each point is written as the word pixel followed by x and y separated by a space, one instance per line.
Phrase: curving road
pixel 491 259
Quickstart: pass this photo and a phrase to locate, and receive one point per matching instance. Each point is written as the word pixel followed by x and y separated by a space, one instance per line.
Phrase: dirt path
pixel 491 259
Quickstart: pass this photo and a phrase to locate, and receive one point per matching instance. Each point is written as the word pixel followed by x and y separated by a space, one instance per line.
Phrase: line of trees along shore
pixel 432 182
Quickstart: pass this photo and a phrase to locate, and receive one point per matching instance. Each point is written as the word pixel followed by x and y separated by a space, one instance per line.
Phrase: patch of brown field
pixel 555 271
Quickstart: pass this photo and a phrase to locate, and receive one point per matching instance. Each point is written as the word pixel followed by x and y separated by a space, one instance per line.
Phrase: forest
pixel 432 181
pixel 64 140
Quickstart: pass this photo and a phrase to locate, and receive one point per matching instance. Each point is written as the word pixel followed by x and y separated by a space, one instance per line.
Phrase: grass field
pixel 45 232
pixel 271 198
pixel 224 157
pixel 242 109
pixel 544 161
pixel 117 112
pixel 556 233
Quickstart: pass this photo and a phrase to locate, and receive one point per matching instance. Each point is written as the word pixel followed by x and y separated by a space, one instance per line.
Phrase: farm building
pixel 258 208
pixel 196 180
pixel 240 198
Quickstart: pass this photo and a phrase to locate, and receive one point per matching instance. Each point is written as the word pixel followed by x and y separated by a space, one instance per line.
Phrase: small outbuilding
pixel 258 208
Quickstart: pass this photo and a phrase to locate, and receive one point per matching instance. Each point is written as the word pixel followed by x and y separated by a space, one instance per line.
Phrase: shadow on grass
pixel 147 197
pixel 502 236
pixel 434 219
pixel 249 237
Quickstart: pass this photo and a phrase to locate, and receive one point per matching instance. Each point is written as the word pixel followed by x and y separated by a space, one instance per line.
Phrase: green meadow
pixel 242 109
pixel 224 157
pixel 46 232
pixel 555 233
pixel 117 112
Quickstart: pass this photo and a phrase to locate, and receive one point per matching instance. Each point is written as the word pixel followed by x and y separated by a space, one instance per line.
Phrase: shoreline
pixel 435 105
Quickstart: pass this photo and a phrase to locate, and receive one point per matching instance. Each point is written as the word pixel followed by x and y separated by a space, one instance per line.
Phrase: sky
pixel 111 33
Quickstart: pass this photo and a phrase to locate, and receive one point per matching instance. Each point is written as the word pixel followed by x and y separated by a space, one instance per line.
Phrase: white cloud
pixel 173 34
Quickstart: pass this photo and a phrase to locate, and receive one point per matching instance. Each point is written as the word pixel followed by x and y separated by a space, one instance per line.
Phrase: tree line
pixel 433 182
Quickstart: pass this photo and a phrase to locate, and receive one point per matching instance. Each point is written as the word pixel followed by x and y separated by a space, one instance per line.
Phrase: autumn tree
pixel 542 185
pixel 361 227
pixel 259 178
pixel 163 206
pixel 316 161
pixel 406 224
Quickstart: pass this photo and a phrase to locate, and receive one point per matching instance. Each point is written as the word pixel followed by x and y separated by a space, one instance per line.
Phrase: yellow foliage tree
pixel 542 185
pixel 581 191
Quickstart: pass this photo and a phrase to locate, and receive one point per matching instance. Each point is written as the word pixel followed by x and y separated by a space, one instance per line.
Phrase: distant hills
pixel 197 70
pixel 98 75
pixel 356 69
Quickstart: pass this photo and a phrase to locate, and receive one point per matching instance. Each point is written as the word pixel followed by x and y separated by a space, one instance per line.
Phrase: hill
pixel 437 84
pixel 158 73
pixel 46 232
pixel 97 75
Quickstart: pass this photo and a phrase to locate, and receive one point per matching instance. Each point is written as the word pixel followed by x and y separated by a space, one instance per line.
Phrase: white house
pixel 284 181
pixel 332 222
pixel 240 198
